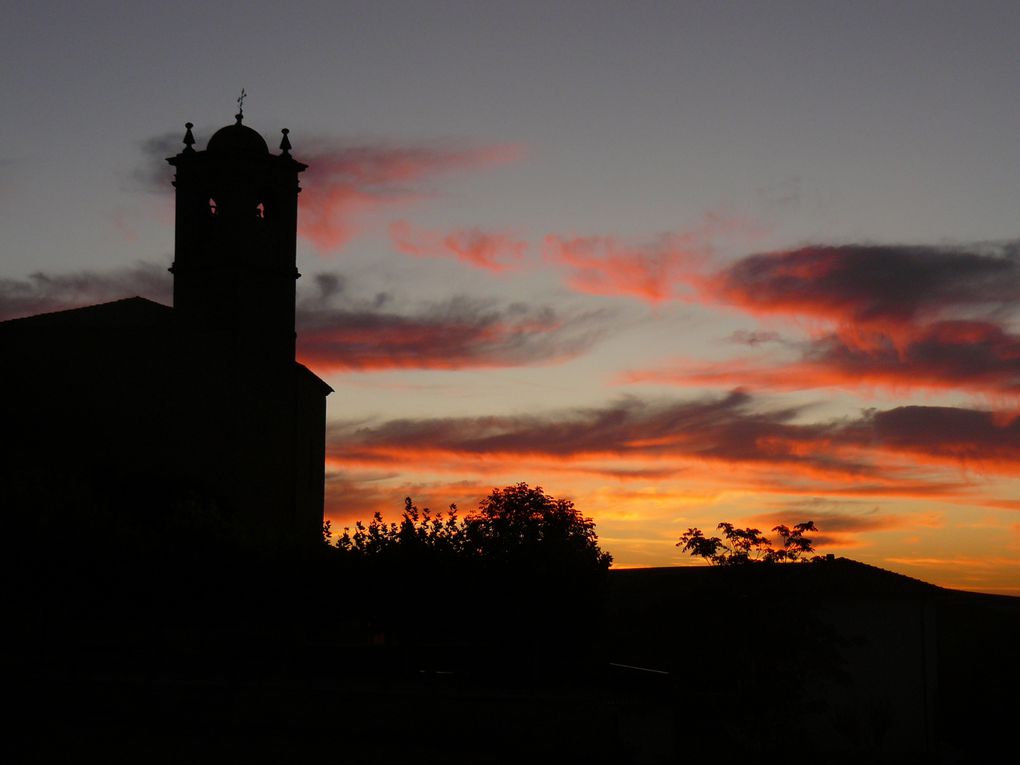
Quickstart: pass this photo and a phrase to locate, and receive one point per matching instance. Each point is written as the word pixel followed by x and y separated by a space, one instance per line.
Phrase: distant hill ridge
pixel 837 577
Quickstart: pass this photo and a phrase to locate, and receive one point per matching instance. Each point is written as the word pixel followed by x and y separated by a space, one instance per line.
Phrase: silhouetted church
pixel 133 408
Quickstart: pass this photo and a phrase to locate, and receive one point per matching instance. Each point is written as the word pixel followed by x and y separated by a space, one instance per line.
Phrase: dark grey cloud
pixel 833 517
pixel 978 437
pixel 341 330
pixel 43 292
pixel 965 355
pixel 753 338
pixel 151 172
pixel 867 283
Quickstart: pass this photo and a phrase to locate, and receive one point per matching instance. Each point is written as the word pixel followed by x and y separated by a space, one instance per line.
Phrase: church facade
pixel 132 408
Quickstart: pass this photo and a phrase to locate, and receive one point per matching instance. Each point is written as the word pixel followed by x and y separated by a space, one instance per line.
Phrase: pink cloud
pixel 654 271
pixel 345 185
pixel 493 251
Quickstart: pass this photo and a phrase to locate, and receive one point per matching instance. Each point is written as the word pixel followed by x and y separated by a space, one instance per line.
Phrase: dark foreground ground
pixel 177 659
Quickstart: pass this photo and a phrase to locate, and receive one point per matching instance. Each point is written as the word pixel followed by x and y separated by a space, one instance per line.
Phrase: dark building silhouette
pixel 199 412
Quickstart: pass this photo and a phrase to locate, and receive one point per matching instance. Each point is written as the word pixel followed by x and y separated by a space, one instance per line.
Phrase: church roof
pixel 129 315
pixel 133 311
pixel 312 378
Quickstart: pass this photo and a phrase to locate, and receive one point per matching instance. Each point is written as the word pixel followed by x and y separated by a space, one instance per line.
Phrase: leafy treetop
pixel 519 522
pixel 518 525
pixel 739 546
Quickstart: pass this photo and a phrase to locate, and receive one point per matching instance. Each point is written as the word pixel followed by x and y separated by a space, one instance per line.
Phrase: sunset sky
pixel 681 262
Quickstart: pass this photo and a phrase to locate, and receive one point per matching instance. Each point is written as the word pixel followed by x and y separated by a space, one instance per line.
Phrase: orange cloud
pixel 946 355
pixel 880 453
pixel 492 251
pixel 353 495
pixel 1002 504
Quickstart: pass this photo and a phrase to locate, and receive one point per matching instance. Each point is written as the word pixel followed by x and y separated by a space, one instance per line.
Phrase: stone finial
pixel 189 137
pixel 285 143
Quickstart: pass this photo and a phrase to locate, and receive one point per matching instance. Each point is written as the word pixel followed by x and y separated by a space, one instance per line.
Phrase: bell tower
pixel 235 256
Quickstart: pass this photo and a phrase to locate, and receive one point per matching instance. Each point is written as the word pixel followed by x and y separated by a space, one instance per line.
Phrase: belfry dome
pixel 237 139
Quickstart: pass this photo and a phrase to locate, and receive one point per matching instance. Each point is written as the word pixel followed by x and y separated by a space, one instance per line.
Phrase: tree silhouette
pixel 517 525
pixel 795 544
pixel 419 532
pixel 525 568
pixel 739 546
pixel 523 525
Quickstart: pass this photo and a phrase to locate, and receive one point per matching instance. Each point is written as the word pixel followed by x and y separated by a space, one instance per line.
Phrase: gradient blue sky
pixel 685 136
